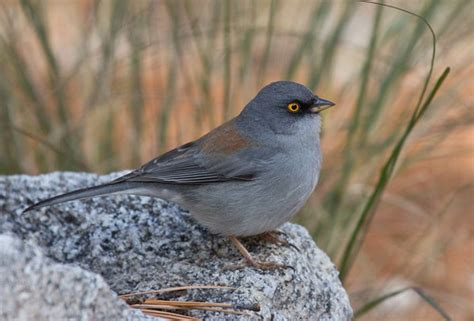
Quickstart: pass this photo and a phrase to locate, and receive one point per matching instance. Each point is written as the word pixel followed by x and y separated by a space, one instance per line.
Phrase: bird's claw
pixel 273 238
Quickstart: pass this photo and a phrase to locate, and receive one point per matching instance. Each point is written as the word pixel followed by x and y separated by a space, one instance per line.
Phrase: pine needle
pixel 154 307
pixel 178 288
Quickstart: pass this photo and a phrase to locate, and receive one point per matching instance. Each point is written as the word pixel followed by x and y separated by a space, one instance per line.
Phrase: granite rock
pixel 34 287
pixel 91 250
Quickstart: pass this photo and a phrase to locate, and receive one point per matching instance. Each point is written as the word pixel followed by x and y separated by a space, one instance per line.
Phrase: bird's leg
pixel 245 253
pixel 251 262
pixel 273 237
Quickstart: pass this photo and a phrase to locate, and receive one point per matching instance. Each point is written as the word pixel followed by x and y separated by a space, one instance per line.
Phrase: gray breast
pixel 273 198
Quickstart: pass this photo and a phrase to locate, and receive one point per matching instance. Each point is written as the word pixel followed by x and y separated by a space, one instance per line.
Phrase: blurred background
pixel 89 85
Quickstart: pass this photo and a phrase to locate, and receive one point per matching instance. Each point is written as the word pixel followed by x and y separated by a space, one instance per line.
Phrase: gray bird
pixel 246 177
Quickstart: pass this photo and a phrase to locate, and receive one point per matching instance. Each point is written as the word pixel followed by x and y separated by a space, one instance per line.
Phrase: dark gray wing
pixel 221 156
pixel 186 165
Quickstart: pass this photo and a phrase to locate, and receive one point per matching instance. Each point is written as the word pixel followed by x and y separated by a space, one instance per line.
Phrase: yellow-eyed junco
pixel 246 177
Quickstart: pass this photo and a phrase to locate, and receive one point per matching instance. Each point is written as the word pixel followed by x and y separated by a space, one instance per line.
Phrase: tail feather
pixel 89 192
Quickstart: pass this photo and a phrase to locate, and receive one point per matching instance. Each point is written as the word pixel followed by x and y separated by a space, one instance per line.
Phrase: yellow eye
pixel 294 107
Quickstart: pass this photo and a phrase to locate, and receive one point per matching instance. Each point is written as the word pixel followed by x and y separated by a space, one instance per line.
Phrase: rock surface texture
pixel 69 261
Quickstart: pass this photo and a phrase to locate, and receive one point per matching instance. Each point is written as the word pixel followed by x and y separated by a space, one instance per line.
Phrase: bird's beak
pixel 320 105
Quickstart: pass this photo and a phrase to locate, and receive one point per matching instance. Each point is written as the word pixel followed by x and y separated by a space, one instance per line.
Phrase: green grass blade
pixel 363 222
pixel 331 47
pixel 205 58
pixel 76 163
pixel 334 200
pixel 171 78
pixel 248 41
pixel 26 83
pixel 34 14
pixel 227 70
pixel 317 19
pixel 398 68
pixel 208 71
pixel 136 98
pixel 366 215
pixel 108 46
pixel 424 296
pixel 433 52
pixel 118 14
pixel 268 42
pixel 9 151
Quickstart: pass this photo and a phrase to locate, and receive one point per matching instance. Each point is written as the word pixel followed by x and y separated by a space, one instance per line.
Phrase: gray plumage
pixel 247 176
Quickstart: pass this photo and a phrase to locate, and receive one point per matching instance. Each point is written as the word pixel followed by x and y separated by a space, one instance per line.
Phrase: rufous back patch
pixel 226 140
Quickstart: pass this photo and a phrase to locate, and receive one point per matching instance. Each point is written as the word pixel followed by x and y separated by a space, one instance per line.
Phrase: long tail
pixel 89 192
